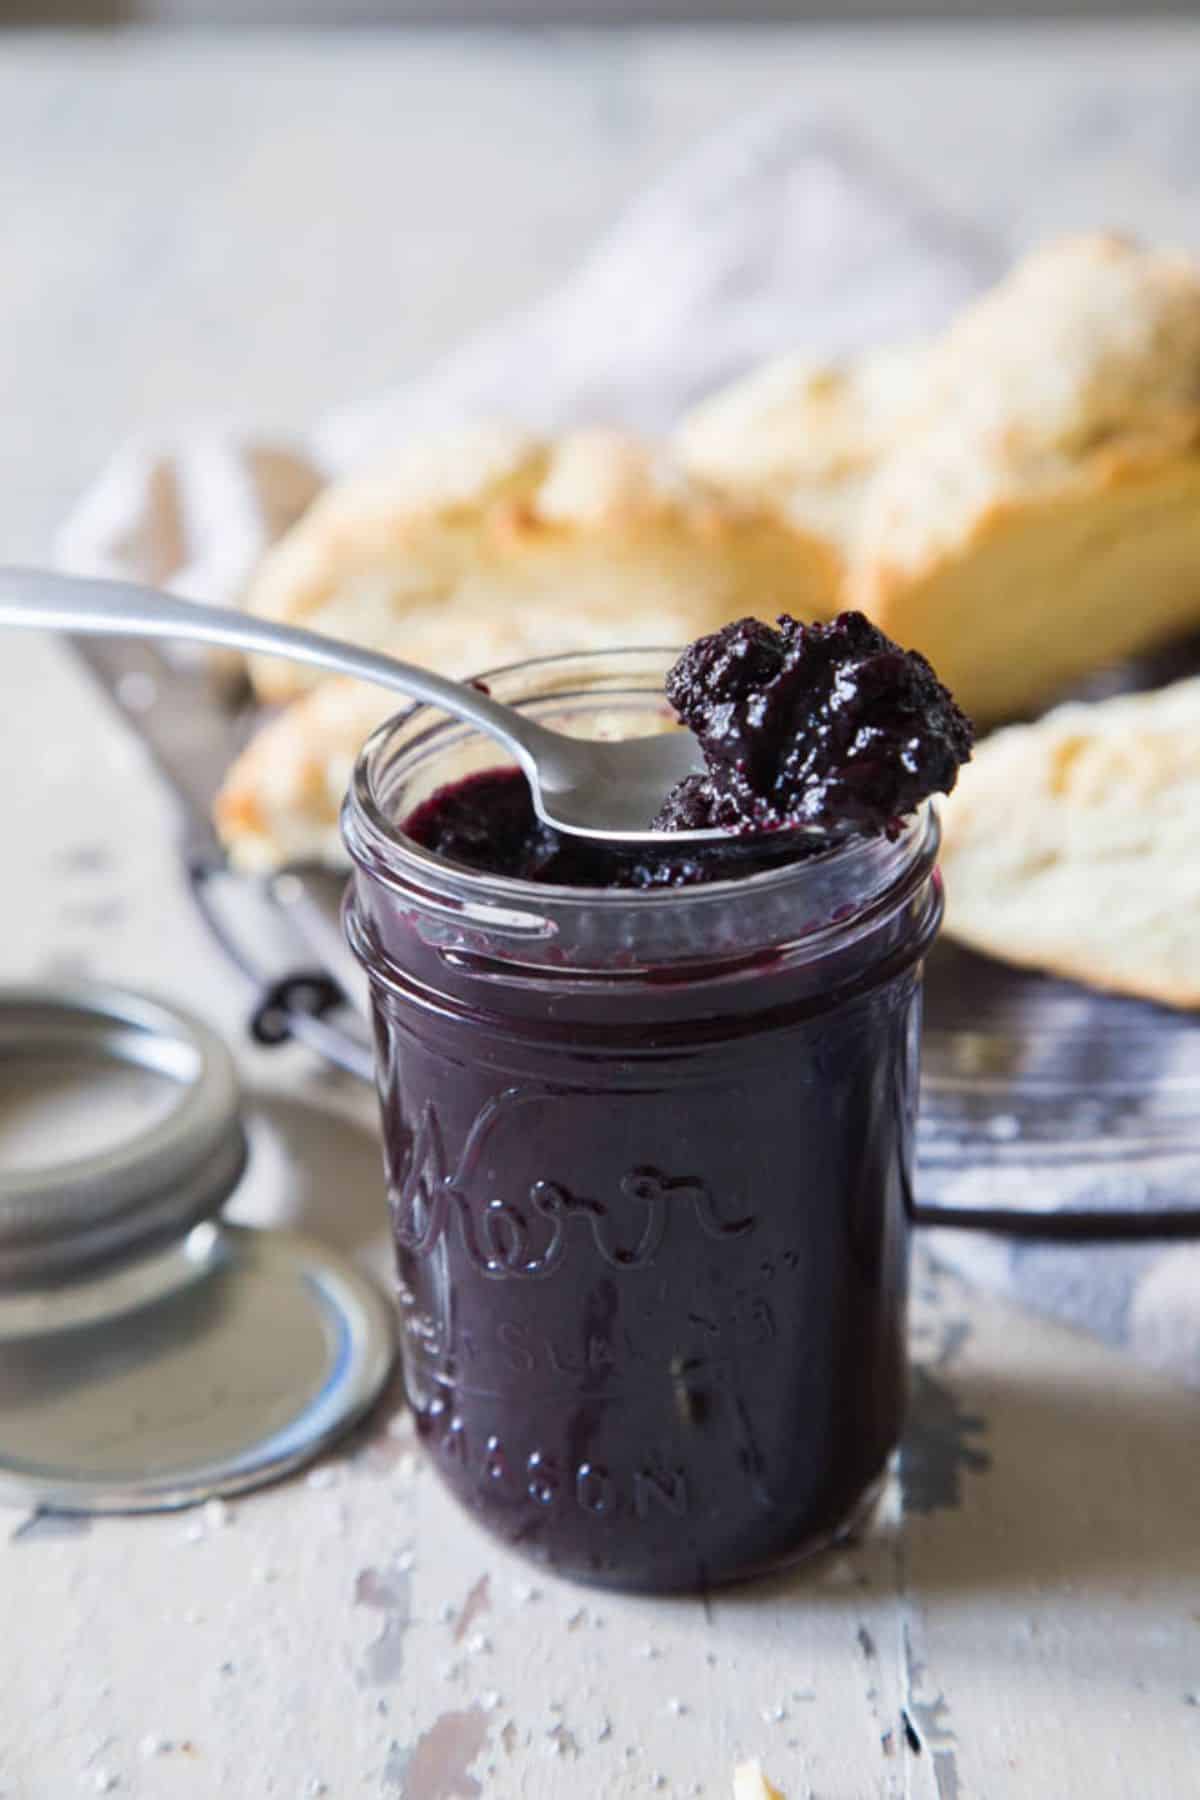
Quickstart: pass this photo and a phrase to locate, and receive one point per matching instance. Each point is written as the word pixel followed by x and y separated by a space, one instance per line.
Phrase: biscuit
pixel 458 539
pixel 808 436
pixel 1041 518
pixel 1073 845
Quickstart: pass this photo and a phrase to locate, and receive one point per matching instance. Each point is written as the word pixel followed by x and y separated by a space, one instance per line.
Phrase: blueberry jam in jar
pixel 648 1150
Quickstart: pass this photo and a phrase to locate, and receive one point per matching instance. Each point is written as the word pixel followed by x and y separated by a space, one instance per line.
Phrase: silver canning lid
pixel 244 1354
pixel 58 1219
pixel 150 1356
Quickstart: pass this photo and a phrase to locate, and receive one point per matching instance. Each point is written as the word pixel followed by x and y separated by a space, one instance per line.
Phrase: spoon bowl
pixel 616 787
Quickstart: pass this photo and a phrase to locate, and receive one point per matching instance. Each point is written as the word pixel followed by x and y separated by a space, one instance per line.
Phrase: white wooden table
pixel 261 228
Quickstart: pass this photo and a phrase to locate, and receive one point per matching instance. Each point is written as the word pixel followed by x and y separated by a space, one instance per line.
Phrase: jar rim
pixel 378 843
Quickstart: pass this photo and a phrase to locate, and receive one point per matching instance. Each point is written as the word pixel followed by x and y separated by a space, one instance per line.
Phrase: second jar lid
pixel 149 1355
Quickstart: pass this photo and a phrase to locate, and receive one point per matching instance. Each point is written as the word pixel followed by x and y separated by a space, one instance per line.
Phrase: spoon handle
pixel 37 597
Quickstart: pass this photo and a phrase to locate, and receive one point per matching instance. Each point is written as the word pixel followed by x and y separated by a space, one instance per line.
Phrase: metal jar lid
pixel 60 1218
pixel 150 1356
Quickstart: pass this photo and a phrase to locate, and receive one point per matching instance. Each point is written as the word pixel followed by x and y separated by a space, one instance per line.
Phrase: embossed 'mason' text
pixel 641 1488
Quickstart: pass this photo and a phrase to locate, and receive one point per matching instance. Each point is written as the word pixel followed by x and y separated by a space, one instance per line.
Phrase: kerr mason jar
pixel 648 1160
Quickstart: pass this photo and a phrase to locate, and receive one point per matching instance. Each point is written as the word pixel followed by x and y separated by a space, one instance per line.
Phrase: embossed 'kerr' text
pixel 528 1236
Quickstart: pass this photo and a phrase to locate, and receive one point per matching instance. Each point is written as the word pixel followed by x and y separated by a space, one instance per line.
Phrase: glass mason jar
pixel 648 1159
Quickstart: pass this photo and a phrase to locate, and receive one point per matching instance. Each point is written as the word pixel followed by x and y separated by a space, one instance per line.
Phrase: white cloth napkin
pixel 778 235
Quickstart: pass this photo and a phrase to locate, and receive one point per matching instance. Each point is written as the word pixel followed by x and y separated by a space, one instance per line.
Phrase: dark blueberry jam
pixel 488 822
pixel 831 727
pixel 652 1250
pixel 648 1154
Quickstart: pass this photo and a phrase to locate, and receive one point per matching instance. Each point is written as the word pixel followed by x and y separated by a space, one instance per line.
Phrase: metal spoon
pixel 606 791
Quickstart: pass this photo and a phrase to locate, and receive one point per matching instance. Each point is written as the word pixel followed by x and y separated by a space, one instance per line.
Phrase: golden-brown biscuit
pixel 1073 845
pixel 808 436
pixel 1042 517
pixel 281 799
pixel 460 538
pixel 1019 499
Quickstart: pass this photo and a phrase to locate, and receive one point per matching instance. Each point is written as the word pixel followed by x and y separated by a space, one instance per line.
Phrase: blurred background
pixel 537 12
pixel 250 225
